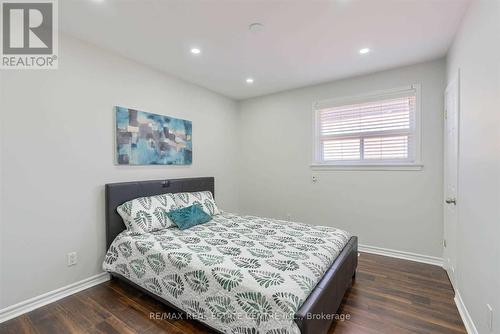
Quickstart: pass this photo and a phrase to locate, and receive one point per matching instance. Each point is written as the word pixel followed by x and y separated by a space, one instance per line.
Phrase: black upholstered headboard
pixel 118 193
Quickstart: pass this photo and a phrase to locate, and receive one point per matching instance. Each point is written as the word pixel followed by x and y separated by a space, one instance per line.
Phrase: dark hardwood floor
pixel 388 296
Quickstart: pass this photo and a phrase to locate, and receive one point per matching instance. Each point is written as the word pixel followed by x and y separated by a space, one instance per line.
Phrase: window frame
pixel 416 164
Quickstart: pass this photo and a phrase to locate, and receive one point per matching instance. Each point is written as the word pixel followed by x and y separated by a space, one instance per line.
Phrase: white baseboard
pixel 437 261
pixel 464 314
pixel 50 297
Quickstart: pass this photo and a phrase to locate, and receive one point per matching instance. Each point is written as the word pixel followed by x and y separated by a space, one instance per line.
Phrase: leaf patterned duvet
pixel 238 274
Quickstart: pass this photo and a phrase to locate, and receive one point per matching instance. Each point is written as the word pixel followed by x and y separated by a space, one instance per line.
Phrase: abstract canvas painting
pixel 143 138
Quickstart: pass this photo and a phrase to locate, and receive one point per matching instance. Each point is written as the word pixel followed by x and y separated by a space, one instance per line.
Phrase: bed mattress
pixel 237 274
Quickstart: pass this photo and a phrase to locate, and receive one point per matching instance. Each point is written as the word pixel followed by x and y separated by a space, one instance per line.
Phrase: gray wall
pixel 1 191
pixel 57 153
pixel 476 51
pixel 399 210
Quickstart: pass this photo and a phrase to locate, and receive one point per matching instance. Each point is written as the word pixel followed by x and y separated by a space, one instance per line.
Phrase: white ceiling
pixel 302 43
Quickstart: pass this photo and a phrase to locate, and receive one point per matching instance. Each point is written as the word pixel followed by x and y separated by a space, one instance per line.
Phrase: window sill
pixel 365 167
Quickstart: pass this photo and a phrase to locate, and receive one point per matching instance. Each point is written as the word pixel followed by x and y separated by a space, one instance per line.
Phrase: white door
pixel 451 177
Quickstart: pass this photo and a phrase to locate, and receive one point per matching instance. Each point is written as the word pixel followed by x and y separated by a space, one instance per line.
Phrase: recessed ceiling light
pixel 195 51
pixel 364 51
pixel 249 81
pixel 256 27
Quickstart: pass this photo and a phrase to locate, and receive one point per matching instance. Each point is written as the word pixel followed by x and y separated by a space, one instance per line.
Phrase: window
pixel 374 130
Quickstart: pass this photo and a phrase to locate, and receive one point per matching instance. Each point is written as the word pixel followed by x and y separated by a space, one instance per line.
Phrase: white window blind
pixel 374 129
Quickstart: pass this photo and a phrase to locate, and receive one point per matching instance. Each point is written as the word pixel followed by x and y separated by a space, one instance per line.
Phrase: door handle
pixel 451 201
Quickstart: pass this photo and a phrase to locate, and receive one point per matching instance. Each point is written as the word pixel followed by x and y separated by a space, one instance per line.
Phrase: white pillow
pixel 147 214
pixel 204 198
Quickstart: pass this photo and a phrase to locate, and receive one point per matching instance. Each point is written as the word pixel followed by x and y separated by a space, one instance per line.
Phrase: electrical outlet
pixel 489 317
pixel 72 259
pixel 314 179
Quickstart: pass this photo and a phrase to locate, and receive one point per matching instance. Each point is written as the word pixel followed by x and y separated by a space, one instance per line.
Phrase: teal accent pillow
pixel 189 216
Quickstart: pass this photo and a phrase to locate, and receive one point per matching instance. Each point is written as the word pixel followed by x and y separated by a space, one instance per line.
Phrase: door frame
pixel 451 270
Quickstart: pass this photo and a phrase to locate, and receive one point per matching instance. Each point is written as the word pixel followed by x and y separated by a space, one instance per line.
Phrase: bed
pixel 236 274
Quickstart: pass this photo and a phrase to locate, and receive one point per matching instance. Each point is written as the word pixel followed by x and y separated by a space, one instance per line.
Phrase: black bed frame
pixel 316 314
